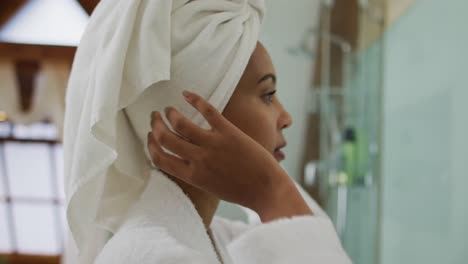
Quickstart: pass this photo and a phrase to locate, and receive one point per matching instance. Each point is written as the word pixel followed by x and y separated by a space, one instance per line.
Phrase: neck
pixel 204 202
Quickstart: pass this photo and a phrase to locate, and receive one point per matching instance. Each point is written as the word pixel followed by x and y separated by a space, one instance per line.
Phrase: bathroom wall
pixel 425 128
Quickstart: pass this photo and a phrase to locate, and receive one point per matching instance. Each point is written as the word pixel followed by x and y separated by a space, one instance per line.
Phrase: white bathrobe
pixel 164 227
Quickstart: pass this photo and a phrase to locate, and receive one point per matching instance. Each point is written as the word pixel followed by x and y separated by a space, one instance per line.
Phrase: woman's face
pixel 255 109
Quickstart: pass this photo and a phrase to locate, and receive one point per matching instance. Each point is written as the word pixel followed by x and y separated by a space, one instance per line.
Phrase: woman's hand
pixel 223 160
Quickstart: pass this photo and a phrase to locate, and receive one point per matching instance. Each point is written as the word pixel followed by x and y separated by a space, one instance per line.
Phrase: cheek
pixel 259 125
pixel 263 131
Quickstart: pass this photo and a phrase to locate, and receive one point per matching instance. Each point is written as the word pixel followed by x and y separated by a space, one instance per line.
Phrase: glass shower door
pixel 350 143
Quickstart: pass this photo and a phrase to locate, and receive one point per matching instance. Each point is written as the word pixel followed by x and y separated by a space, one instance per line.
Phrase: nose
pixel 285 119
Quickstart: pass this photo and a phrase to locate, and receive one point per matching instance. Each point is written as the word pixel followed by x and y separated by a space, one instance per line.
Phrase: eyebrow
pixel 266 77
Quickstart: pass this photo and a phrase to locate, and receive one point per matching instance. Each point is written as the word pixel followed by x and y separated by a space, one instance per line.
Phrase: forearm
pixel 282 201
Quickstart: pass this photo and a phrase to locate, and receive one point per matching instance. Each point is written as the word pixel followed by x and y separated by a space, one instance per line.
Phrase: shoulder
pixel 152 244
pixel 227 230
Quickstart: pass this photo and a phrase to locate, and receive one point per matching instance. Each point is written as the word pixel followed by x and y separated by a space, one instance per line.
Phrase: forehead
pixel 260 62
pixel 259 65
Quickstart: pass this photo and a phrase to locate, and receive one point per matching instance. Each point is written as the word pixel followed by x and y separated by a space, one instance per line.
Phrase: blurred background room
pixel 377 90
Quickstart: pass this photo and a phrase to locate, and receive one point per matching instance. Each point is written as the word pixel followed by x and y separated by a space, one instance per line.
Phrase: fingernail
pixel 187 95
pixel 166 109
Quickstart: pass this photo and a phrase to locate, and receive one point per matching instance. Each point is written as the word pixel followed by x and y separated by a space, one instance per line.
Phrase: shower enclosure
pixel 348 91
pixel 393 161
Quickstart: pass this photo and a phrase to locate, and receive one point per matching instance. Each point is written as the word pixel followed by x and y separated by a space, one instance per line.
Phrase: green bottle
pixel 349 154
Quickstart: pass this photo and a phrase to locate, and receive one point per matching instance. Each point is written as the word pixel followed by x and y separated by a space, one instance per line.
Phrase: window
pixel 32 214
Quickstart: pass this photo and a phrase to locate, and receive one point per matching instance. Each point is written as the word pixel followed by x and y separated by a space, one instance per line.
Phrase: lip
pixel 279 155
pixel 280 146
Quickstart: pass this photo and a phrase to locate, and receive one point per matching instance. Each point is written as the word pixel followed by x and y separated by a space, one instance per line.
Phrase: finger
pixel 171 141
pixel 186 128
pixel 209 112
pixel 168 163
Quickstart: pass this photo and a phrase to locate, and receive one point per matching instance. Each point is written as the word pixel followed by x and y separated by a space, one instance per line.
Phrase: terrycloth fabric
pixel 136 57
pixel 254 218
pixel 164 227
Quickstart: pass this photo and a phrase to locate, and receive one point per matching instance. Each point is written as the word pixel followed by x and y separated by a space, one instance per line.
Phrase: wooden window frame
pixel 15 257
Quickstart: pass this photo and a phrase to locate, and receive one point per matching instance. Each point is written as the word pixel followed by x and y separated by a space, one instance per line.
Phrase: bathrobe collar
pixel 163 203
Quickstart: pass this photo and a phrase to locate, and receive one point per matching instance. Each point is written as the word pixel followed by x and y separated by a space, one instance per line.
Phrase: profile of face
pixel 255 109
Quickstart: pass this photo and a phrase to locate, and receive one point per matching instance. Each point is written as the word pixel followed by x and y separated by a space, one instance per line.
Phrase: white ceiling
pixel 47 22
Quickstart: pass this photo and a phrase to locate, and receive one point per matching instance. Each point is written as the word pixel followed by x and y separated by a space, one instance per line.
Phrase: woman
pixel 136 57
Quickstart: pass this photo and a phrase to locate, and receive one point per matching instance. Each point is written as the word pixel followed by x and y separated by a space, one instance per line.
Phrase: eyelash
pixel 269 96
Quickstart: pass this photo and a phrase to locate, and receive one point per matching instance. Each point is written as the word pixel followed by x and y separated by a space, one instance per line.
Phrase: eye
pixel 268 97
